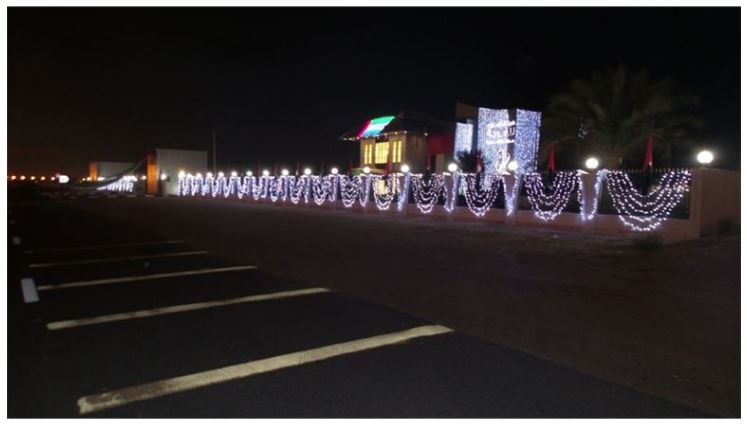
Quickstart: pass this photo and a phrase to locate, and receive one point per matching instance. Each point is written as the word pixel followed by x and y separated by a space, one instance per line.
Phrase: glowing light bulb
pixel 284 172
pixel 307 171
pixel 249 173
pixel 164 176
pixel 404 168
pixel 366 170
pixel 704 157
pixel 265 173
pixel 182 174
pixel 592 163
pixel 234 174
pixel 334 170
pixel 452 167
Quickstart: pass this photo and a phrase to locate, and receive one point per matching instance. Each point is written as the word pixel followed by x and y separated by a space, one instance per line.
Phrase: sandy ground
pixel 665 321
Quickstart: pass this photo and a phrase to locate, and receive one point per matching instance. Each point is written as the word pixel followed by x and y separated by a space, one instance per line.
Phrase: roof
pixel 405 121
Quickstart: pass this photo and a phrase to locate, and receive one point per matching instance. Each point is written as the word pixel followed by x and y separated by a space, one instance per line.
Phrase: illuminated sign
pixel 375 126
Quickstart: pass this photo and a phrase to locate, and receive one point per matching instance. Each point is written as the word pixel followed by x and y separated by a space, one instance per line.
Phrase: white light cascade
pixel 548 206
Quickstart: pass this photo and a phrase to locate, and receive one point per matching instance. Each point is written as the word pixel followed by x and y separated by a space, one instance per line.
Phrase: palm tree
pixel 612 114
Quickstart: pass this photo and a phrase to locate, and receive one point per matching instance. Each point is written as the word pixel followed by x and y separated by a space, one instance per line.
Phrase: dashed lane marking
pixel 116 259
pixel 74 284
pixel 103 246
pixel 28 289
pixel 59 325
pixel 119 397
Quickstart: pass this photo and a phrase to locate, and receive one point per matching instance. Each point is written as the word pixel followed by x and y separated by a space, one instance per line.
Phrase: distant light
pixel 284 172
pixel 164 176
pixel 181 174
pixel 63 178
pixel 234 174
pixel 13 177
pixel 334 170
pixel 52 178
pixel 307 171
pixel 704 157
pixel 143 177
pixel 23 177
pixel 592 163
pixel 405 168
pixel 43 178
pixel 248 172
pixel 33 178
pixel 513 165
pixel 366 170
pixel 452 167
pixel 265 172
pixel 220 174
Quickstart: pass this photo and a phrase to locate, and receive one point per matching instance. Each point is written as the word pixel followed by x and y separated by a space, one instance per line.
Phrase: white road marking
pixel 149 243
pixel 16 241
pixel 59 325
pixel 74 284
pixel 115 398
pixel 28 288
pixel 116 259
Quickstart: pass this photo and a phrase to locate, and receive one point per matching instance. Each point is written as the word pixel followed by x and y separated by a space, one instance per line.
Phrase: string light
pixel 548 206
pixel 479 201
pixel 637 211
pixel 645 213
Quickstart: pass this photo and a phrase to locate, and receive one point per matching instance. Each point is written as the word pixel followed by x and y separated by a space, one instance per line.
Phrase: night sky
pixel 282 84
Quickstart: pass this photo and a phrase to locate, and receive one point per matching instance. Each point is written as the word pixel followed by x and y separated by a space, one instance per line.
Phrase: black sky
pixel 281 84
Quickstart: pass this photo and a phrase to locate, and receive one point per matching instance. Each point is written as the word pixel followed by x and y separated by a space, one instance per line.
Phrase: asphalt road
pixel 62 372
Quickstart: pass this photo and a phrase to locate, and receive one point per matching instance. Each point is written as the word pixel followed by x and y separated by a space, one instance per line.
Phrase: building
pixel 164 166
pixel 412 138
pixel 508 139
pixel 100 170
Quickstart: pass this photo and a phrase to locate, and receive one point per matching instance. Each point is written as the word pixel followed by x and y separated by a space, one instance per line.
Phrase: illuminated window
pixel 368 154
pixel 397 152
pixel 382 153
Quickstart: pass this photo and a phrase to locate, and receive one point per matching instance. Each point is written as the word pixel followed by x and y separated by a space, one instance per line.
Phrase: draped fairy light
pixel 451 191
pixel 404 195
pixel 384 191
pixel 123 184
pixel 587 213
pixel 547 206
pixel 637 211
pixel 647 212
pixel 479 201
pixel 426 196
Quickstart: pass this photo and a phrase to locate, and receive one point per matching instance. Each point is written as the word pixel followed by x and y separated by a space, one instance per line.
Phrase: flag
pixel 648 159
pixel 551 159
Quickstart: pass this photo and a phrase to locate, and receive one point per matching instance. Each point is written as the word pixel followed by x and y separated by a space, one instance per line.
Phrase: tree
pixel 467 160
pixel 612 114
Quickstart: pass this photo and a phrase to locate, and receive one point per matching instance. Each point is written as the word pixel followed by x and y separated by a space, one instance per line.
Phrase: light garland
pixel 638 212
pixel 547 206
pixel 586 213
pixel 479 201
pixel 123 184
pixel 426 199
pixel 645 213
pixel 384 191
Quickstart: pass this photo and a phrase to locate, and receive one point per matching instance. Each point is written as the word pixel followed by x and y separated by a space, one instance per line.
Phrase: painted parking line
pixel 103 246
pixel 74 284
pixel 115 398
pixel 16 241
pixel 60 325
pixel 116 259
pixel 28 289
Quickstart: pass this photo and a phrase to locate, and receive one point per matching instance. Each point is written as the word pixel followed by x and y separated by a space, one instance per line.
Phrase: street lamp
pixel 704 157
pixel 592 163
